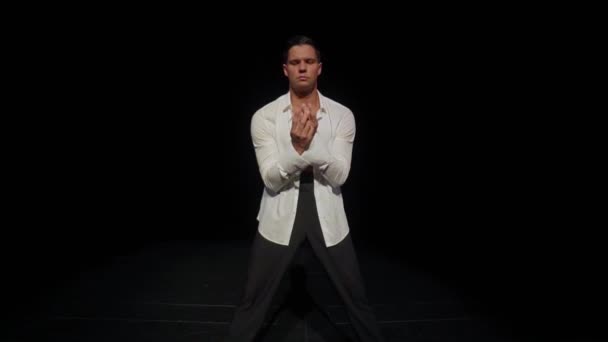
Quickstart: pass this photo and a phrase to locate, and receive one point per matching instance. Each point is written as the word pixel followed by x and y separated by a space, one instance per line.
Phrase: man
pixel 303 143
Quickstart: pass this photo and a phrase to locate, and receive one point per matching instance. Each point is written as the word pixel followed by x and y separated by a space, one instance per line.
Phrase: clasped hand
pixel 303 128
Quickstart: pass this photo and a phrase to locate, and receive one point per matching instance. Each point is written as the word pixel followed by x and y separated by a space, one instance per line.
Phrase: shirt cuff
pixel 291 162
pixel 318 157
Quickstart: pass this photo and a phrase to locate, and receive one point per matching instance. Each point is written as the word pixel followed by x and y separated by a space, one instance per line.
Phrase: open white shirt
pixel 280 167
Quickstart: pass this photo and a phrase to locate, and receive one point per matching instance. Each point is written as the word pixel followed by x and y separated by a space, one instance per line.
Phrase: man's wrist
pixel 299 149
pixel 317 157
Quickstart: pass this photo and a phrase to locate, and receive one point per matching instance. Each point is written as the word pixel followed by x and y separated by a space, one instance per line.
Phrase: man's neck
pixel 312 98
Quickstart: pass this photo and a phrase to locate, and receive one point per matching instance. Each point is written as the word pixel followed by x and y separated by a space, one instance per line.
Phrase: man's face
pixel 302 68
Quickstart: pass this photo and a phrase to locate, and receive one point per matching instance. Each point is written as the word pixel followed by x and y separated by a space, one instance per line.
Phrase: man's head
pixel 302 64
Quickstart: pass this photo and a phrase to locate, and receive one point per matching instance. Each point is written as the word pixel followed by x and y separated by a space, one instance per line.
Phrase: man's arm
pixel 277 169
pixel 334 164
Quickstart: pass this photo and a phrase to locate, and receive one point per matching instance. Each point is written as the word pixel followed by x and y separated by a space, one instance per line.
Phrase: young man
pixel 303 143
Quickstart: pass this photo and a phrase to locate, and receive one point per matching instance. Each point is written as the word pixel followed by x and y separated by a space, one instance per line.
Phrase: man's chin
pixel 303 89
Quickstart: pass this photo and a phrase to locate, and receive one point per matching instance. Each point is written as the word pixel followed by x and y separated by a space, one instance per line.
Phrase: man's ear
pixel 320 69
pixel 285 69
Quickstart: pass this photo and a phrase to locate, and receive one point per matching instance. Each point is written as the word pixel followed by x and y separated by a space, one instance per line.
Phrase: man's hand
pixel 303 128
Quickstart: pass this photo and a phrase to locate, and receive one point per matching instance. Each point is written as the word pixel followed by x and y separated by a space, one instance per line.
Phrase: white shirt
pixel 280 167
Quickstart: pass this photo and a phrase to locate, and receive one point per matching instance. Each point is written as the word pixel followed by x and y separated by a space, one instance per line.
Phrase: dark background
pixel 463 166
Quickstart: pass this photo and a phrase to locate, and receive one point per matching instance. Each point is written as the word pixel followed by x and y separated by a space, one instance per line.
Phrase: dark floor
pixel 187 291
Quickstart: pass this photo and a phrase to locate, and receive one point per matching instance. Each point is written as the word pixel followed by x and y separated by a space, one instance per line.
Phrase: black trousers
pixel 269 262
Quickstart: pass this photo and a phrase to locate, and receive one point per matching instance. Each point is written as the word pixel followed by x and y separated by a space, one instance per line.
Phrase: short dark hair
pixel 300 40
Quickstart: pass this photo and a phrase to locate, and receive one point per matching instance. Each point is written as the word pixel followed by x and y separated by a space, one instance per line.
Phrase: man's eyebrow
pixel 305 58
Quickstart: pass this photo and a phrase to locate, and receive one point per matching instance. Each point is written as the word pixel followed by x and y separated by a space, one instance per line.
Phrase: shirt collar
pixel 286 103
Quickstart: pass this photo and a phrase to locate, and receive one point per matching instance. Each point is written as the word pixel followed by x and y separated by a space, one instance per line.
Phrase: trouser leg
pixel 267 265
pixel 340 262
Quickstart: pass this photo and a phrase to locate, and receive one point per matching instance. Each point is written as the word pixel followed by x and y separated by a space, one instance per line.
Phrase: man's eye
pixel 294 62
pixel 311 61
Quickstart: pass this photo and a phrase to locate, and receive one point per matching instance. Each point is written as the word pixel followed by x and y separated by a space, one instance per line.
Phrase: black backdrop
pixel 460 165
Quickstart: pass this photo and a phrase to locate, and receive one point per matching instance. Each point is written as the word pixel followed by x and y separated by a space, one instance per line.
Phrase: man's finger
pixel 311 129
pixel 299 120
pixel 296 114
pixel 313 115
pixel 303 116
pixel 313 118
pixel 306 110
pixel 295 122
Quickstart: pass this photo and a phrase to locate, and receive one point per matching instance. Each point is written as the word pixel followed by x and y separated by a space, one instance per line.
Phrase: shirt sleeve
pixel 277 169
pixel 334 163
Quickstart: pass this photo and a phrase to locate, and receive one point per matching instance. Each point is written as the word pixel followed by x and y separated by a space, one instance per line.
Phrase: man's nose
pixel 302 66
